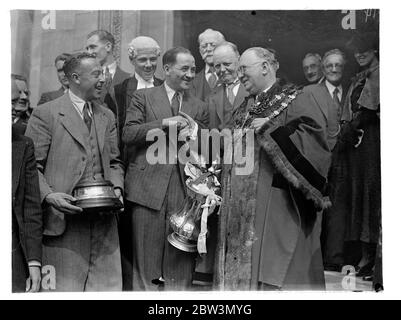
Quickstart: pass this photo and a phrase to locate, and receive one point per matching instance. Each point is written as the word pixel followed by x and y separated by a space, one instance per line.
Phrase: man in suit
pixel 154 191
pixel 26 213
pixel 20 103
pixel 101 43
pixel 76 143
pixel 230 94
pixel 329 96
pixel 269 220
pixel 52 95
pixel 312 66
pixel 226 98
pixel 143 53
pixel 206 80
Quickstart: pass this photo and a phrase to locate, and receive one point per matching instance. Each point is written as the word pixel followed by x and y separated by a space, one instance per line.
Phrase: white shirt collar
pixel 171 92
pixel 235 87
pixel 78 104
pixel 112 68
pixel 142 83
pixel 331 88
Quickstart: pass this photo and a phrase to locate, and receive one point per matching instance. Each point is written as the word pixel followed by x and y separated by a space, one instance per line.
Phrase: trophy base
pixel 181 243
pixel 96 205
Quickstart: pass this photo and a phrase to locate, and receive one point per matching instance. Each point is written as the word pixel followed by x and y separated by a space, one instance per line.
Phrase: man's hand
pixel 62 201
pixel 258 123
pixel 178 121
pixel 360 133
pixel 33 282
pixel 120 197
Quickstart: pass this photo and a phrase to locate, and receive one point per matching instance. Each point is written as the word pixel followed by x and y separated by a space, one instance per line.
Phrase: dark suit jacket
pixel 110 98
pixel 200 87
pixel 124 92
pixel 26 199
pixel 323 99
pixel 216 103
pixel 60 148
pixel 146 184
pixel 49 96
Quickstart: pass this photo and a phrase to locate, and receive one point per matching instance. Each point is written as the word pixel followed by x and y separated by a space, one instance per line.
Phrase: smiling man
pixel 312 66
pixel 155 191
pixel 101 43
pixel 20 103
pixel 270 220
pixel 231 93
pixel 75 142
pixel 143 53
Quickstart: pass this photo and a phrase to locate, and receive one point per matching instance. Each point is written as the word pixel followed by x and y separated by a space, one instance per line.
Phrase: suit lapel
pixel 161 106
pixel 239 98
pixel 18 150
pixel 188 105
pixel 71 120
pixel 323 99
pixel 219 103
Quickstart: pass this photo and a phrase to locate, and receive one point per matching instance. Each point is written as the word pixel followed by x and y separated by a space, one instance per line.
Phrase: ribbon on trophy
pixel 211 201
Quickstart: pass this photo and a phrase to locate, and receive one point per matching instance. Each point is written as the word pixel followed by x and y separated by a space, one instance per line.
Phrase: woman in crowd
pixel 358 153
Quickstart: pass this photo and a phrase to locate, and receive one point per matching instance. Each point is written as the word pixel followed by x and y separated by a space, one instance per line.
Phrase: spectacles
pixel 242 69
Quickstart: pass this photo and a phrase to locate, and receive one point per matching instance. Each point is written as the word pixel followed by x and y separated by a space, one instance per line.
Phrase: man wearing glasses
pixel 206 80
pixel 270 220
pixel 155 190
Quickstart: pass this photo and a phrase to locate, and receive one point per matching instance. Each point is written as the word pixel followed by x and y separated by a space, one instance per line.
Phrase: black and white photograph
pixel 162 151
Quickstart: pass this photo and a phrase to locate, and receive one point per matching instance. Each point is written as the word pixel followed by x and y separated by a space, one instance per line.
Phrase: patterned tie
pixel 108 79
pixel 337 101
pixel 175 103
pixel 87 117
pixel 212 78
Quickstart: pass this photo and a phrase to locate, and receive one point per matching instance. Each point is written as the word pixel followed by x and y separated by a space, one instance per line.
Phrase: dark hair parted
pixel 103 36
pixel 74 60
pixel 170 56
pixel 62 57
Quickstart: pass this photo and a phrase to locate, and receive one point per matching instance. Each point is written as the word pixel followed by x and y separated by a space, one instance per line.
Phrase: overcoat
pixel 270 218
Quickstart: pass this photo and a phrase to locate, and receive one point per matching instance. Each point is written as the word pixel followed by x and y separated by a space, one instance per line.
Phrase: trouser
pixel 86 257
pixel 153 255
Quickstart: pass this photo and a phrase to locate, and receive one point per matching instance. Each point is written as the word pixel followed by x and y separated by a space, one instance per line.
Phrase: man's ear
pixel 109 47
pixel 75 78
pixel 265 67
pixel 166 69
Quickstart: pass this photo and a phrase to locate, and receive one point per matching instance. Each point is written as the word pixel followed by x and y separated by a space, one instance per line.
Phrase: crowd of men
pixel 278 227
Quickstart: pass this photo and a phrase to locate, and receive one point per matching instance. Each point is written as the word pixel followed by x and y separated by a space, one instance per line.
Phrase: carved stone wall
pixel 111 21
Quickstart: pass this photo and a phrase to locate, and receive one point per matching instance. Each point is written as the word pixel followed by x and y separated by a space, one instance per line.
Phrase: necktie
pixel 212 78
pixel 107 78
pixel 230 93
pixel 175 104
pixel 337 101
pixel 87 118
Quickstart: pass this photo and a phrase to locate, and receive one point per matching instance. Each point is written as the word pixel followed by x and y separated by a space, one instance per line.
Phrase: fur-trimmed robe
pixel 270 220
